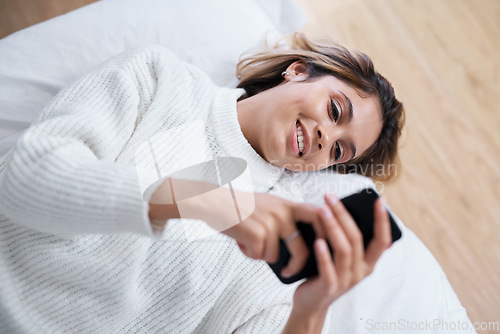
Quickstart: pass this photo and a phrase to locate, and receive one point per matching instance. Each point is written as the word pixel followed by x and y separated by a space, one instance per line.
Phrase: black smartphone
pixel 360 205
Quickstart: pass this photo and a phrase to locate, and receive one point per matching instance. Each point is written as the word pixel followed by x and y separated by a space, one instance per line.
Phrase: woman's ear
pixel 297 71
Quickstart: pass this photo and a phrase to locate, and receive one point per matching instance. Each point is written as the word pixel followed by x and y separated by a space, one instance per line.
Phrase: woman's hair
pixel 262 70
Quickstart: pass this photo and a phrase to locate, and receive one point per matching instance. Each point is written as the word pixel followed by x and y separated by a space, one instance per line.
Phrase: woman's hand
pixel 269 218
pixel 350 265
pixel 274 218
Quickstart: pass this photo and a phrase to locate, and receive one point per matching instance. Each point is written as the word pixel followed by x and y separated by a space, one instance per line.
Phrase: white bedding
pixel 408 289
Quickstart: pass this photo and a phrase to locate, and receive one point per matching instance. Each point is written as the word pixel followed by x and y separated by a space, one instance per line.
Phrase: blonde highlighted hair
pixel 262 70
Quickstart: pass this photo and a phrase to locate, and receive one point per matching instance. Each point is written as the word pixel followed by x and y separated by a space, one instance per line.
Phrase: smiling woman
pixel 72 200
pixel 320 106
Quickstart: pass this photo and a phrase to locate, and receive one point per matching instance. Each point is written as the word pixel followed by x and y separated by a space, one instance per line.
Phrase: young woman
pixel 74 254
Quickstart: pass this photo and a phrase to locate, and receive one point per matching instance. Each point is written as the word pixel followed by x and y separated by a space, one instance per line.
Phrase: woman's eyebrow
pixel 349 108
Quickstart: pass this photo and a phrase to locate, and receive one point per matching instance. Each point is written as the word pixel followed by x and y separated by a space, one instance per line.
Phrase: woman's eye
pixel 338 152
pixel 335 111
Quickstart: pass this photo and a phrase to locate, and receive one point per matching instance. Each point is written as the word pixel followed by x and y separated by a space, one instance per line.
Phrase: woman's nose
pixel 323 138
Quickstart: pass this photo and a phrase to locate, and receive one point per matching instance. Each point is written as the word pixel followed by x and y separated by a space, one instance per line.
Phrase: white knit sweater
pixel 77 252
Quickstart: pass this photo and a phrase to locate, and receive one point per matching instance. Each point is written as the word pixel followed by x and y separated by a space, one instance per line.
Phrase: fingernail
pixel 321 245
pixel 332 199
pixel 285 273
pixel 390 246
pixel 326 213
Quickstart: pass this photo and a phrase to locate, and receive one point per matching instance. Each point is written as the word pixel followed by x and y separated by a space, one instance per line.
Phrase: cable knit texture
pixel 77 251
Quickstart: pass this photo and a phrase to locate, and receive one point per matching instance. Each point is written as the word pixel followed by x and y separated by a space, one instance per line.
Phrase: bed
pixel 407 292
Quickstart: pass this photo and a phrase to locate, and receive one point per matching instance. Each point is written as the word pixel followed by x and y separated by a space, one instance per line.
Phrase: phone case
pixel 360 206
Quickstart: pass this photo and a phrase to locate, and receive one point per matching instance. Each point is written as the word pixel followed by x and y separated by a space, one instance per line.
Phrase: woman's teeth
pixel 300 139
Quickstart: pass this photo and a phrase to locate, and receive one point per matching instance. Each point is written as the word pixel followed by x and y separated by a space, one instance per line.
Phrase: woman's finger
pixel 272 246
pixel 326 269
pixel 342 250
pixel 382 234
pixel 297 247
pixel 298 253
pixel 308 213
pixel 352 232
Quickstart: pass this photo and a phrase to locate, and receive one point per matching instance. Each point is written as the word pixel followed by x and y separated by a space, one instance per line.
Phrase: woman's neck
pixel 248 116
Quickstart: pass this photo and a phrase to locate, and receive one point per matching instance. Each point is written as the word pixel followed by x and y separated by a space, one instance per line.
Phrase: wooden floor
pixel 18 14
pixel 442 56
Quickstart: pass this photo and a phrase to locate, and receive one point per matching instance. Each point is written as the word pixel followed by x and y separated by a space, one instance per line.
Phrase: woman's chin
pixel 296 165
pixel 306 167
pixel 299 167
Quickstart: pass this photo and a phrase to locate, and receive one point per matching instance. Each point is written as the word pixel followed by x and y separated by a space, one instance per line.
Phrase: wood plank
pixel 19 14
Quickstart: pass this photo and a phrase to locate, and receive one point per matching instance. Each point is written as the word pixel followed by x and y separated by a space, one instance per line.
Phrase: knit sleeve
pixel 61 177
pixel 273 320
pixel 269 320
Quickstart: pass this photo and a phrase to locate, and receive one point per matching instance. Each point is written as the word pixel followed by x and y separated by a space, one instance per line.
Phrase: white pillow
pixel 37 62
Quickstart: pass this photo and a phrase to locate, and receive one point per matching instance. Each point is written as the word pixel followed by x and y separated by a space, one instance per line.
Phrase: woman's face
pixel 336 123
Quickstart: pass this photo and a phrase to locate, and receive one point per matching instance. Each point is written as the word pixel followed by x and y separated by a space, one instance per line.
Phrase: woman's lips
pixel 295 145
pixel 307 144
